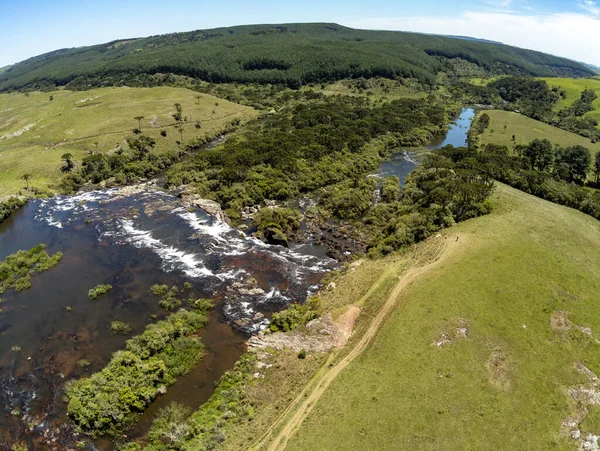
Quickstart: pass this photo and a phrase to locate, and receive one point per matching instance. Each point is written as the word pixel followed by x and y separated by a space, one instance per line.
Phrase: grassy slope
pixel 526 130
pixel 516 267
pixel 573 87
pixel 70 123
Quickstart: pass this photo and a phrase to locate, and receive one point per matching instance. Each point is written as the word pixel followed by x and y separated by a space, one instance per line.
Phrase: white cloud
pixel 571 35
pixel 590 6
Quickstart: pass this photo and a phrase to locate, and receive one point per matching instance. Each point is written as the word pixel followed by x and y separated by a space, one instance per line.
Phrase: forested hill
pixel 293 54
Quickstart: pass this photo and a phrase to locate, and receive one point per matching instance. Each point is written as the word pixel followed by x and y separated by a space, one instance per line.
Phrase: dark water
pixel 131 242
pixel 403 162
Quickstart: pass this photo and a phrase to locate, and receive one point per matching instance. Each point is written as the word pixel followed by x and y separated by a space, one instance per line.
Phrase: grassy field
pixel 35 131
pixel 505 124
pixel 573 88
pixel 482 349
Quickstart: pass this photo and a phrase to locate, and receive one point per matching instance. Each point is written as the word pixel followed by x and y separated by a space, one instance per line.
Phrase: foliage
pixel 550 173
pixel 99 290
pixel 390 189
pixel 449 186
pixel 169 300
pixel 284 219
pixel 174 429
pixel 16 269
pixel 291 54
pixel 108 400
pixel 309 146
pixel 296 315
pixel 119 327
pixel 9 205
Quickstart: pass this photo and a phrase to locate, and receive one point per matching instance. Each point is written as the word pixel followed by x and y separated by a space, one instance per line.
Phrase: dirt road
pixel 308 398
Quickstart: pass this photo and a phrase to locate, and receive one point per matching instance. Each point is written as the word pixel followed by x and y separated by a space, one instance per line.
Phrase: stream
pixel 133 238
pixel 401 163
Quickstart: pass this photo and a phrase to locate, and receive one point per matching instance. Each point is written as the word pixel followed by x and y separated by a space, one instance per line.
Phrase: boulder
pixel 275 236
pixel 209 206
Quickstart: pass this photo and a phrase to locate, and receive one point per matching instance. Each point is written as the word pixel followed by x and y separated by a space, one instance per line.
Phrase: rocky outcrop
pixel 319 335
pixel 209 206
pixel 275 236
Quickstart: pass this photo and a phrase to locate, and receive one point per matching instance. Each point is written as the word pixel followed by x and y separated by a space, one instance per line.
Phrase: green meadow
pixel 481 350
pixel 35 131
pixel 505 124
pixel 573 88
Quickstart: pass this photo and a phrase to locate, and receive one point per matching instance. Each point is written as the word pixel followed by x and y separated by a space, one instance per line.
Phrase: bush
pixel 296 315
pixel 16 269
pixel 9 205
pixel 118 327
pixel 108 400
pixel 99 290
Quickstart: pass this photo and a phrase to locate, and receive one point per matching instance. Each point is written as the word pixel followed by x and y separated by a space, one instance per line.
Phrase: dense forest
pixel 291 54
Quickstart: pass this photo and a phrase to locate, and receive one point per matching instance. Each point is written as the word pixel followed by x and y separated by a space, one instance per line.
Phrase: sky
pixel 569 28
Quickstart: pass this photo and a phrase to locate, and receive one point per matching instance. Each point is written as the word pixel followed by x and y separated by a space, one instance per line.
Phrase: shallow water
pixel 402 163
pixel 131 242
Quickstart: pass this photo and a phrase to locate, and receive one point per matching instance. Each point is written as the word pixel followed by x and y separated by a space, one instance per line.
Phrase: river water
pixel 401 163
pixel 133 240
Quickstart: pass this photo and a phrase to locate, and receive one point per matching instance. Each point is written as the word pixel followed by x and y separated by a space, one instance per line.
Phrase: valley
pixel 299 236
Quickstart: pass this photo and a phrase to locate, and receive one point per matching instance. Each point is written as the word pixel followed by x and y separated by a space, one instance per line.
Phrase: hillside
pixel 293 54
pixel 36 131
pixel 505 124
pixel 573 89
pixel 501 335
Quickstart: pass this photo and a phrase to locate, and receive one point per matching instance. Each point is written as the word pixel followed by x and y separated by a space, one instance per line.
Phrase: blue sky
pixel 568 28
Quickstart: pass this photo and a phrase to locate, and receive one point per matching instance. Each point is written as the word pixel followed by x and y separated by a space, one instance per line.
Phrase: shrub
pixel 108 400
pixel 118 327
pixel 16 269
pixel 296 315
pixel 99 290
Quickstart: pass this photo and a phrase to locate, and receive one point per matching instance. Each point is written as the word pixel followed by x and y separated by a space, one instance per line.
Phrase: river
pixel 401 163
pixel 133 239
pixel 131 242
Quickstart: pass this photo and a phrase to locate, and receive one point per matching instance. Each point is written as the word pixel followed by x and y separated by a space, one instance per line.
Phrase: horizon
pixel 573 25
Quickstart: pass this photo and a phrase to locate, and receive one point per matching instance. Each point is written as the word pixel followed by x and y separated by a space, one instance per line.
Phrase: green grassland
pixel 505 124
pixel 504 385
pixel 573 88
pixel 35 131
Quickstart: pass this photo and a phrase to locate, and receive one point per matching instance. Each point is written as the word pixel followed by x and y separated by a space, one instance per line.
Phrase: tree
pixel 573 163
pixel 142 145
pixel 26 177
pixel 597 167
pixel 69 165
pixel 179 112
pixel 139 119
pixel 51 98
pixel 180 128
pixel 540 153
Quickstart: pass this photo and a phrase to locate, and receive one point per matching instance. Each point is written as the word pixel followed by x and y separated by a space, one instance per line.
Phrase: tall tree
pixel 597 167
pixel 139 119
pixel 26 177
pixel 540 153
pixel 572 163
pixel 69 165
pixel 178 115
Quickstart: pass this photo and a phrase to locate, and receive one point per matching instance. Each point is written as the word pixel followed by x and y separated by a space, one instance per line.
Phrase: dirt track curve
pixel 307 399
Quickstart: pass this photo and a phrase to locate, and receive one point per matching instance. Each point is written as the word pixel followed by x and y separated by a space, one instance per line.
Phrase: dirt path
pixel 308 398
